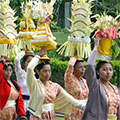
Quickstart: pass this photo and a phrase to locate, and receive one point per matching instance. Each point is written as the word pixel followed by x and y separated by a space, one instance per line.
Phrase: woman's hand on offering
pixel 42 52
pixel 96 42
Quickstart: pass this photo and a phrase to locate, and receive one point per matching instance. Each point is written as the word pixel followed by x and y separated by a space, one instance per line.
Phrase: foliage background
pixel 111 7
pixel 59 67
pixel 59 64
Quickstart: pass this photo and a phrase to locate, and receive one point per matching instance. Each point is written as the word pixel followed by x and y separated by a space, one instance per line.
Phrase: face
pixel 7 73
pixel 45 73
pixel 79 69
pixel 27 61
pixel 105 72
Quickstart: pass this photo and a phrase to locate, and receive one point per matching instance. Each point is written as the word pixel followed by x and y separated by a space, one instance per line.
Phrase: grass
pixel 59 118
pixel 61 37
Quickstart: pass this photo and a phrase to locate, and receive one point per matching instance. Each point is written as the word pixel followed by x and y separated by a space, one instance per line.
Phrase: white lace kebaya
pixel 21 78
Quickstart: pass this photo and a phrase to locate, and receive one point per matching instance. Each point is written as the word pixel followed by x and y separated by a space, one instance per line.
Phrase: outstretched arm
pixel 90 72
pixel 18 69
pixel 30 69
pixel 70 68
pixel 93 56
pixel 64 102
pixel 68 78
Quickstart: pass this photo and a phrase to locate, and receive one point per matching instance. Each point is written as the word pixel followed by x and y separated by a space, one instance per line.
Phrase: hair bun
pixel 29 52
pixel 44 58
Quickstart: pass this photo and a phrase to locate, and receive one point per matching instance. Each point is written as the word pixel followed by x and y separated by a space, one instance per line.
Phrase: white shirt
pixel 21 74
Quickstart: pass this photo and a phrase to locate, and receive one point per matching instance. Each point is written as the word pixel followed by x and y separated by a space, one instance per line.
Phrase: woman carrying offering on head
pixel 47 97
pixel 104 99
pixel 11 102
pixel 21 76
pixel 75 84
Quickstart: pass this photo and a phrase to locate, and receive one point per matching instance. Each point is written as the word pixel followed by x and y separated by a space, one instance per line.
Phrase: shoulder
pixel 54 84
pixel 84 79
pixel 115 87
pixel 17 86
pixel 2 62
pixel 117 91
pixel 16 82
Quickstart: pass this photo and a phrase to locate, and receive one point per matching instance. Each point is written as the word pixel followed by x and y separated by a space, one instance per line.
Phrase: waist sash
pixel 47 107
pixel 10 103
pixel 111 117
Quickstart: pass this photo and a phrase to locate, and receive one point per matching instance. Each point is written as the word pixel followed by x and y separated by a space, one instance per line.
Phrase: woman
pixel 47 97
pixel 11 102
pixel 75 84
pixel 103 100
pixel 21 76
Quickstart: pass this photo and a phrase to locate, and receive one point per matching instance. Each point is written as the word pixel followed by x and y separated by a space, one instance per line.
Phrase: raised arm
pixel 18 68
pixel 30 71
pixel 90 72
pixel 64 103
pixel 69 81
pixel 31 80
pixel 70 68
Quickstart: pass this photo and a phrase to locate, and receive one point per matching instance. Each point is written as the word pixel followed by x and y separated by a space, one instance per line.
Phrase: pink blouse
pixel 10 112
pixel 113 99
pixel 52 90
pixel 73 87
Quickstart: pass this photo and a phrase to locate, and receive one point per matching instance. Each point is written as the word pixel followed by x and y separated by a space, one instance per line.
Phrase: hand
pixel 96 42
pixel 42 52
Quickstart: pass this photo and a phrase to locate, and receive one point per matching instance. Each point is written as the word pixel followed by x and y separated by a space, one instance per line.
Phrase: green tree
pixel 111 7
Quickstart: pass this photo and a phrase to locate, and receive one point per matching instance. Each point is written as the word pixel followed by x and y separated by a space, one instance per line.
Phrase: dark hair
pixel 40 66
pixel 26 57
pixel 6 65
pixel 99 65
pixel 77 61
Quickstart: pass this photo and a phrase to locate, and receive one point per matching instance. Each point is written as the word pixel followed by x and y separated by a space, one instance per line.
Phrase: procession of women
pixel 88 93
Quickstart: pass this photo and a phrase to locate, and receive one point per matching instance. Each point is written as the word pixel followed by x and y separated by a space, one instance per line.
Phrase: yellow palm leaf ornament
pixel 79 38
pixel 107 28
pixel 7 30
pixel 27 30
